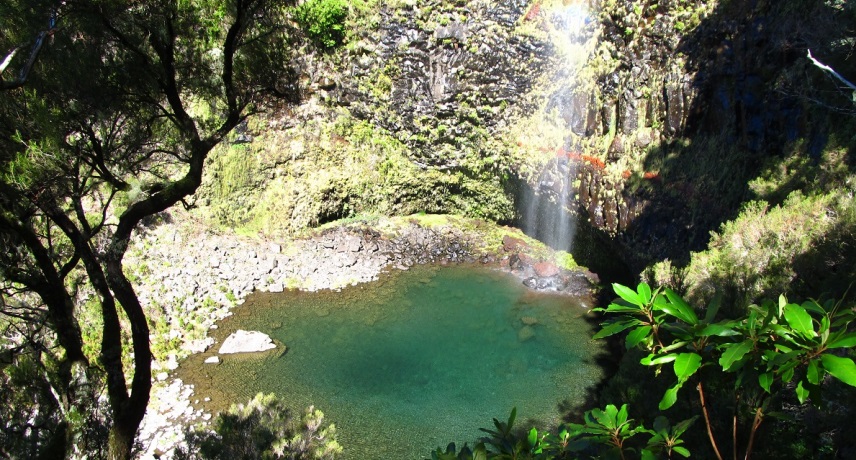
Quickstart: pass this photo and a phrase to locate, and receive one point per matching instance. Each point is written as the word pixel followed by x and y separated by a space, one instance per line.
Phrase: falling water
pixel 545 205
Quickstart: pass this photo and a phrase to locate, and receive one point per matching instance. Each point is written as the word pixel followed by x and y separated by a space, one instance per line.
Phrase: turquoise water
pixel 418 360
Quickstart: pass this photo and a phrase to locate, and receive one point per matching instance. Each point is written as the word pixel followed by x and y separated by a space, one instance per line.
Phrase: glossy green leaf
pixel 670 397
pixel 719 330
pixel 637 336
pixel 812 373
pixel 799 320
pixel 686 364
pixel 682 451
pixel 846 341
pixel 620 308
pixel 615 328
pixel 734 353
pixel 533 437
pixel 685 311
pixel 841 368
pixel 627 294
pixel 644 292
pixel 766 381
pixel 802 392
pixel 653 360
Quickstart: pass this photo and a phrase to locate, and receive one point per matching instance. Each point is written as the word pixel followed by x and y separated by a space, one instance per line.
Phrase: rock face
pixel 242 341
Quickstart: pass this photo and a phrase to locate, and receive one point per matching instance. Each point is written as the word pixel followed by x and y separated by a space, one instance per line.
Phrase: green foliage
pixel 607 432
pixel 263 429
pixel 775 347
pixel 323 21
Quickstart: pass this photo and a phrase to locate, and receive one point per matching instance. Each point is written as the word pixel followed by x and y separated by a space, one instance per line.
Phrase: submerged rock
pixel 242 341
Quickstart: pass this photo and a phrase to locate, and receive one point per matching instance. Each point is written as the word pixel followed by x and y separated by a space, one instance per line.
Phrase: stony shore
pixel 190 279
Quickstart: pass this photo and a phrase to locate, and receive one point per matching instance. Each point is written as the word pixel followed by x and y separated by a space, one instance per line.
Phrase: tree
pixel 111 126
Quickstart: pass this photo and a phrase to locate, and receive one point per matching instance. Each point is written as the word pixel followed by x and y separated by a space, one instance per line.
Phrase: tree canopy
pixel 108 112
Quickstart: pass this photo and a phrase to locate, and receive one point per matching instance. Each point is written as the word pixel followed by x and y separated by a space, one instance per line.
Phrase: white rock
pixel 242 341
pixel 212 360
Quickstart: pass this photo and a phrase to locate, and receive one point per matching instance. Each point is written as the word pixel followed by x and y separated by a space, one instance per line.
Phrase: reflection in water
pixel 414 361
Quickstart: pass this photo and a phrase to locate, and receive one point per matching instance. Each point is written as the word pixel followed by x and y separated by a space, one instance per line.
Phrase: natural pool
pixel 414 361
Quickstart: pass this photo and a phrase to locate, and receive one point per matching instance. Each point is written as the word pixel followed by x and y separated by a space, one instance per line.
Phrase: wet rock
pixel 529 320
pixel 545 269
pixel 525 333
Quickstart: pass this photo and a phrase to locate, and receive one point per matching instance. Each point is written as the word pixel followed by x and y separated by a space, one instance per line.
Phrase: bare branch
pixel 826 68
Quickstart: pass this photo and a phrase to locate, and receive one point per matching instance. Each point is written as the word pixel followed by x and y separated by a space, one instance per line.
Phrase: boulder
pixel 545 269
pixel 242 341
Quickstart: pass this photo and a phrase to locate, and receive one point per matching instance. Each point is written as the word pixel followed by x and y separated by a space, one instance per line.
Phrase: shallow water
pixel 412 362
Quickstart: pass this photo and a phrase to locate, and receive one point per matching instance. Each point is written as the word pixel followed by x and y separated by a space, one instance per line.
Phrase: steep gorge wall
pixel 437 106
pixel 691 101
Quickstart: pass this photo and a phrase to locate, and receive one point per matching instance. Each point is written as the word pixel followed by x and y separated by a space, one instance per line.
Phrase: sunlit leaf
pixel 627 294
pixel 802 392
pixel 644 292
pixel 719 329
pixel 686 364
pixel 799 320
pixel 653 360
pixel 847 341
pixel 670 397
pixel 682 451
pixel 841 368
pixel 734 353
pixel 615 328
pixel 533 437
pixel 685 311
pixel 812 374
pixel 637 336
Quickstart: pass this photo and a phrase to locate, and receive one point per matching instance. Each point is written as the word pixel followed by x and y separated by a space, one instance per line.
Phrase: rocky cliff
pixel 669 110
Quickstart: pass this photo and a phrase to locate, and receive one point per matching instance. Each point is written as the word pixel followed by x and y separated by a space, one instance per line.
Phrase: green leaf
pixel 653 360
pixel 812 374
pixel 646 454
pixel 636 336
pixel 802 393
pixel 533 437
pixel 734 353
pixel 686 364
pixel 615 328
pixel 684 312
pixel 644 293
pixel 799 320
pixel 681 450
pixel 713 308
pixel 841 368
pixel 719 330
pixel 670 397
pixel 627 294
pixel 766 381
pixel 846 341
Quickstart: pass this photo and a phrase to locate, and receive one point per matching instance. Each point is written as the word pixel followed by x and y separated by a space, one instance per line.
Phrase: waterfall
pixel 546 212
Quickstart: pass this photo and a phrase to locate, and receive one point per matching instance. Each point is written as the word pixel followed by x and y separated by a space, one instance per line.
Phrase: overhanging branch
pixel 830 70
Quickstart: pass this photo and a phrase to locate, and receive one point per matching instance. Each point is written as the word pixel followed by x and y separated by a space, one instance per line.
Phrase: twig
pixel 707 421
pixel 830 70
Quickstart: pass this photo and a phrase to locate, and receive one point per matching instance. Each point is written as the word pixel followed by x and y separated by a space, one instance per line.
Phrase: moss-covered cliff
pixel 671 115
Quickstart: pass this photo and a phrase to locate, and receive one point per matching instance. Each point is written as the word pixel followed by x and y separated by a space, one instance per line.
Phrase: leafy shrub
pixel 264 429
pixel 323 21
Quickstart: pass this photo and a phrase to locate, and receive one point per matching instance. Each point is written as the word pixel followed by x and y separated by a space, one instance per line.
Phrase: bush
pixel 323 21
pixel 264 429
